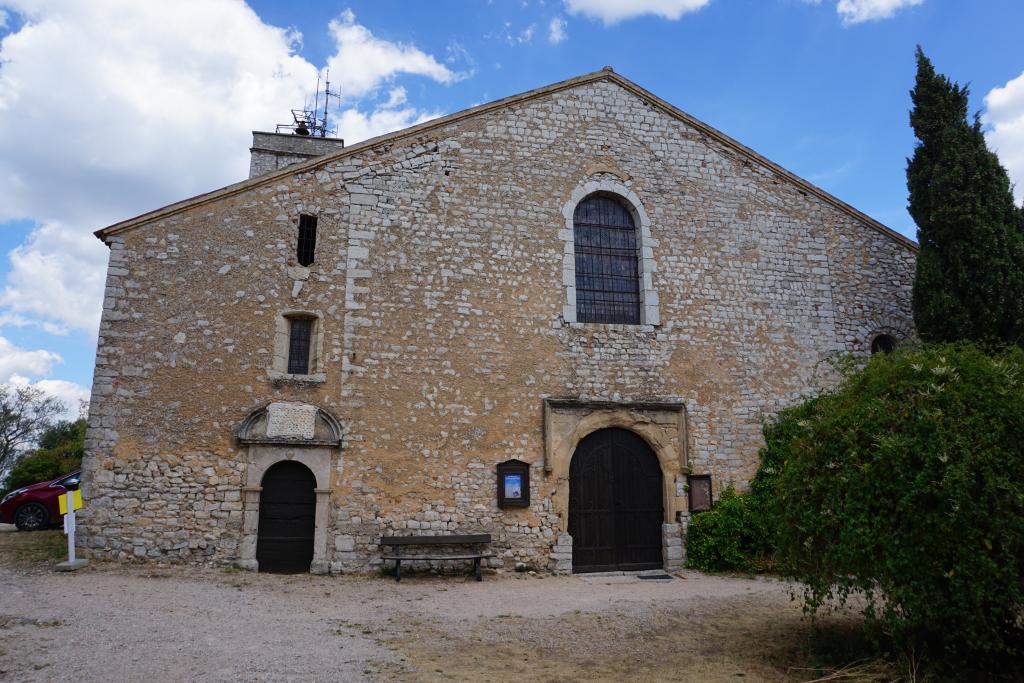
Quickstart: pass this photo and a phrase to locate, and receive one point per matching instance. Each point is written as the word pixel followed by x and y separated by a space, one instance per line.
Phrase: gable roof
pixel 605 74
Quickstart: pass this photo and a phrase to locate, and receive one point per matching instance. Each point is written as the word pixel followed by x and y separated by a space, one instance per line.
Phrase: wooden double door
pixel 616 505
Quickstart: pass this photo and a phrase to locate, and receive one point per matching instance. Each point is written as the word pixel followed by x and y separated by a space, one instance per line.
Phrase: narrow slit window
pixel 607 262
pixel 300 332
pixel 306 250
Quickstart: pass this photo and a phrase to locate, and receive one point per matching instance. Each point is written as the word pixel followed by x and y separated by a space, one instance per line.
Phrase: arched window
pixel 607 262
pixel 883 343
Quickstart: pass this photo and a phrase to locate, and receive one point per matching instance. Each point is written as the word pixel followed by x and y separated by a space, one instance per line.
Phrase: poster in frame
pixel 513 484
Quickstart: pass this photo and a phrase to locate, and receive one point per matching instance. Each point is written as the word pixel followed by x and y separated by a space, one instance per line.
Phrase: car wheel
pixel 31 517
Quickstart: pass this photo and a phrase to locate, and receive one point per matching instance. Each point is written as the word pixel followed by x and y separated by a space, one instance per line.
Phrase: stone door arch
pixel 661 425
pixel 281 432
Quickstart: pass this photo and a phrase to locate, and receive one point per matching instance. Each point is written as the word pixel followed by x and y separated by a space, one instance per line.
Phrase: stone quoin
pixel 443 326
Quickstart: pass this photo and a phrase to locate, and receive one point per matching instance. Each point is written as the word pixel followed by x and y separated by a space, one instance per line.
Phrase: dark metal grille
pixel 300 333
pixel 607 264
pixel 306 249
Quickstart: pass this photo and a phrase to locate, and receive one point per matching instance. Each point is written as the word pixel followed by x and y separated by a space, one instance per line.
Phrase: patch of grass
pixel 32 548
pixel 842 651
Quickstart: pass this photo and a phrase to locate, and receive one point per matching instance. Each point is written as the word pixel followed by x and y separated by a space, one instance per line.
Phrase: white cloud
pixel 1004 119
pixel 857 11
pixel 56 280
pixel 18 365
pixel 507 35
pixel 363 62
pixel 359 125
pixel 614 11
pixel 128 115
pixel 556 31
pixel 70 394
pixel 396 97
pixel 18 362
pixel 102 119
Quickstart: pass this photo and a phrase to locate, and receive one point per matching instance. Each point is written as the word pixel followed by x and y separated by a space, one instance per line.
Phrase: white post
pixel 69 523
pixel 73 562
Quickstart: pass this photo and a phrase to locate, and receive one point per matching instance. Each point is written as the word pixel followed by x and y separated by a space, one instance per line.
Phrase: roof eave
pixel 603 74
pixel 318 162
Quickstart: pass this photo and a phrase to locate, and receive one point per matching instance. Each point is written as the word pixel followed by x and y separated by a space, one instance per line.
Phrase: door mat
pixel 655 577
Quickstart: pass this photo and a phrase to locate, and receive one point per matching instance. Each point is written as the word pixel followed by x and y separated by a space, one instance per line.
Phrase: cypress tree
pixel 970 268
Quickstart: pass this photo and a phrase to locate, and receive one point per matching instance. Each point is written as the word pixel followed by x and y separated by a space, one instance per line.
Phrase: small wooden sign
pixel 513 484
pixel 700 492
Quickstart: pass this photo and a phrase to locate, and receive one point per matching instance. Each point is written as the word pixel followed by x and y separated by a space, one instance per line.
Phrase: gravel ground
pixel 111 622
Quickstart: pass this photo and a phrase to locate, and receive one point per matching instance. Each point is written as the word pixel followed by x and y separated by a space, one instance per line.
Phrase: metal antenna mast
pixel 307 121
pixel 327 98
pixel 316 97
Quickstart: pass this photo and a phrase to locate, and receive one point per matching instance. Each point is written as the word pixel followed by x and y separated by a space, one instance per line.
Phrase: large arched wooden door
pixel 615 503
pixel 287 518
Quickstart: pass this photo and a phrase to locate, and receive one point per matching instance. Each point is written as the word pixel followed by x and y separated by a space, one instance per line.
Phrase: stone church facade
pixel 581 278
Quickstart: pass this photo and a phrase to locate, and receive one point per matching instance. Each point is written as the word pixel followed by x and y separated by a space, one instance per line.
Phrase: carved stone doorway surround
pixel 662 424
pixel 288 431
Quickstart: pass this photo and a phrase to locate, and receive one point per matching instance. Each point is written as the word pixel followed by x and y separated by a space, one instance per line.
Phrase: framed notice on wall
pixel 700 492
pixel 513 484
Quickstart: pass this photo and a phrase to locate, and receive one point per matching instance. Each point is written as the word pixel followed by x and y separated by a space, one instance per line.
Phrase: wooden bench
pixel 397 543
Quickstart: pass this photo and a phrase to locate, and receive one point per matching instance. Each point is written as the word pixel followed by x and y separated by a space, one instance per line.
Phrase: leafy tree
pixel 905 485
pixel 62 446
pixel 25 412
pixel 64 435
pixel 970 268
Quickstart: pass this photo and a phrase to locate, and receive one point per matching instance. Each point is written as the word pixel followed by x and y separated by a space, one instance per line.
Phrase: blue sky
pixel 113 107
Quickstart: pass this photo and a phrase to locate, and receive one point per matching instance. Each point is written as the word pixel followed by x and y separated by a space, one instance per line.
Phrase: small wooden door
pixel 615 503
pixel 287 519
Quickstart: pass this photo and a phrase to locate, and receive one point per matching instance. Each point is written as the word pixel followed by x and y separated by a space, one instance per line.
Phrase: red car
pixel 35 507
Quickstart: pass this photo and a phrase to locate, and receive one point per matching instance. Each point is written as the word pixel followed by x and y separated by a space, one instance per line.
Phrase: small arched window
pixel 883 343
pixel 607 262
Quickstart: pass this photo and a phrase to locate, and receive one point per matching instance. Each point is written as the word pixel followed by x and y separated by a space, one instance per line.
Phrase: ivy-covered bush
pixel 906 485
pixel 738 533
pixel 732 536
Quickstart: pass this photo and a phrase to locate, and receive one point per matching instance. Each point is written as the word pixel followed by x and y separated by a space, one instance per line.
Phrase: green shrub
pixel 729 537
pixel 906 485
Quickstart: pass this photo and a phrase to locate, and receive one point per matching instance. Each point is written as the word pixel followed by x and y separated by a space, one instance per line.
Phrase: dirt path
pixel 110 622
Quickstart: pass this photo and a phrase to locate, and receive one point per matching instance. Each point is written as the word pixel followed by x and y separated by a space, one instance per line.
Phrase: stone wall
pixel 439 286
